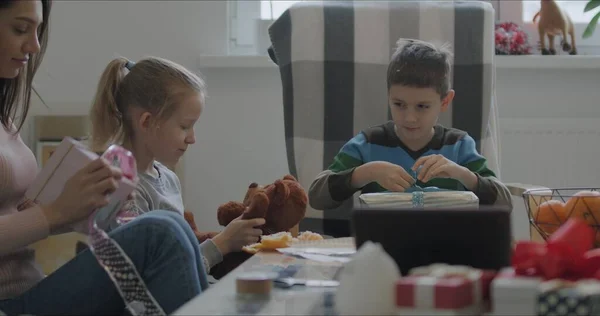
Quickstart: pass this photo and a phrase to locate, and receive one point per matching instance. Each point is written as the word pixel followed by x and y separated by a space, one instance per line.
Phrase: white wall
pixel 239 140
pixel 86 35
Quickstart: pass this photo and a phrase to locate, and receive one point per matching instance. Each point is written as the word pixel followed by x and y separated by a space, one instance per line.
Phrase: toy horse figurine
pixel 554 21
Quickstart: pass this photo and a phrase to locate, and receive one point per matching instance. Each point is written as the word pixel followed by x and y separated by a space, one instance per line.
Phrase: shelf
pixel 502 62
pixel 547 62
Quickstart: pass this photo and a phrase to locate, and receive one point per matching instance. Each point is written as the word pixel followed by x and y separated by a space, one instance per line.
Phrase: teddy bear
pixel 282 204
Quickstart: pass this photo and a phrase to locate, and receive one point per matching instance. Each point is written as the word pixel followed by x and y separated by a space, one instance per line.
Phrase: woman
pixel 160 244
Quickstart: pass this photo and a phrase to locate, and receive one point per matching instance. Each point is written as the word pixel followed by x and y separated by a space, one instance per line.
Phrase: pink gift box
pixel 67 159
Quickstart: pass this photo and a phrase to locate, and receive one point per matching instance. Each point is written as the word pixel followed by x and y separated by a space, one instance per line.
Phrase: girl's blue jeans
pixel 165 252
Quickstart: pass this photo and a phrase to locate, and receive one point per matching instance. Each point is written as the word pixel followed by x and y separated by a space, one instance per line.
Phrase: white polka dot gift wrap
pixel 559 297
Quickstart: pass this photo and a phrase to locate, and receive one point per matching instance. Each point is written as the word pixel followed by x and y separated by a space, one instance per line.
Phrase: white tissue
pixel 367 283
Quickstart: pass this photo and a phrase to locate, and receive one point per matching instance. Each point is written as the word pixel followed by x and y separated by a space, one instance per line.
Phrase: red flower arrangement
pixel 510 39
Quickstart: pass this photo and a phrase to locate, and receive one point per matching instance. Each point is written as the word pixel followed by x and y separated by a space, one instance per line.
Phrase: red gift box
pixel 443 287
pixel 435 293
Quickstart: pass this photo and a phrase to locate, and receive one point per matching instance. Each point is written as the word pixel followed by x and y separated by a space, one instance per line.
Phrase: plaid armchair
pixel 333 58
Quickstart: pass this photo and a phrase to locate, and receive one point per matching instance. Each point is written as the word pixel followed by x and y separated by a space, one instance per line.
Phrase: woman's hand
pixel 84 192
pixel 239 233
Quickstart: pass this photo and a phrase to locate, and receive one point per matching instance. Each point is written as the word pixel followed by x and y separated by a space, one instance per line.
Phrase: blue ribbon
pixel 418 193
pixel 418 200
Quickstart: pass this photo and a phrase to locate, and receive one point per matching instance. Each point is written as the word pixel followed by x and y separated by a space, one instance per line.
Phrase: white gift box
pixel 436 199
pixel 514 295
pixel 67 159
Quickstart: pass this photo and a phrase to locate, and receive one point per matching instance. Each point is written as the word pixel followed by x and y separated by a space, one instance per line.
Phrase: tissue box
pixel 514 295
pixel 67 159
pixel 443 294
pixel 561 298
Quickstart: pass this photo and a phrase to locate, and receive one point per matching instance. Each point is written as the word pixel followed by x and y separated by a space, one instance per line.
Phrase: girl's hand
pixel 84 192
pixel 239 233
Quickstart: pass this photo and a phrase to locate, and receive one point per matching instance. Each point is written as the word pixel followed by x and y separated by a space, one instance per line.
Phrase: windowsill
pixel 235 61
pixel 547 62
pixel 501 61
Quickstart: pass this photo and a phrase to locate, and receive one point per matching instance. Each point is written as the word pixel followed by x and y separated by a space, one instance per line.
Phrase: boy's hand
pixel 391 176
pixel 438 166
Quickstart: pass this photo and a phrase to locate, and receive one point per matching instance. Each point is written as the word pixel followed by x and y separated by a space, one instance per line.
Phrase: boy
pixel 385 157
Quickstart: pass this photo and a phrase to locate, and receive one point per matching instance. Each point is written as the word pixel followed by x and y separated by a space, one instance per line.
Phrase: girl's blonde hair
pixel 153 84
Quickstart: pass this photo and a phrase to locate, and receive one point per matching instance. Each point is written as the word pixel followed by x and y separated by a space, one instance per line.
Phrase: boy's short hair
pixel 421 64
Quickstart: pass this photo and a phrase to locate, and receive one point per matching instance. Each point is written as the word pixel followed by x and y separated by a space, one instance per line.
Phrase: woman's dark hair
pixel 16 92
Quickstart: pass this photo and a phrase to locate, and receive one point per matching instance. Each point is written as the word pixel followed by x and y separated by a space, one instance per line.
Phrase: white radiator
pixel 551 152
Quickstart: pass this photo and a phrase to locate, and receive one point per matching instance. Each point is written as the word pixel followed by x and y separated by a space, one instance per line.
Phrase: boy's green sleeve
pixel 490 190
pixel 333 186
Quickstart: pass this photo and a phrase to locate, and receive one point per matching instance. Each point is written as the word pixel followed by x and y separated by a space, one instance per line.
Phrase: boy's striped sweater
pixel 380 143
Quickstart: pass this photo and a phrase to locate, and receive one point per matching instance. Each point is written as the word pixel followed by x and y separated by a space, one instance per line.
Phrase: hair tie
pixel 129 65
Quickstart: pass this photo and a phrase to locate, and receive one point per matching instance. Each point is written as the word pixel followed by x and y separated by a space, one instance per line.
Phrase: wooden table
pixel 221 299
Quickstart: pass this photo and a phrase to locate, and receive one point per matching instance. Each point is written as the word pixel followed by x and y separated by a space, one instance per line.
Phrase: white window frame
pixel 245 22
pixel 243 17
pixel 247 30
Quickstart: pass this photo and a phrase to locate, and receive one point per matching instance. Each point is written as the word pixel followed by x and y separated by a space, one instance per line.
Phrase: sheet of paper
pixel 324 258
pixel 326 251
pixel 343 242
pixel 320 254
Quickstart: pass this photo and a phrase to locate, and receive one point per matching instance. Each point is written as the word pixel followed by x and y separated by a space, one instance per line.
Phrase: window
pixel 249 22
pixel 573 8
pixel 522 12
pixel 271 10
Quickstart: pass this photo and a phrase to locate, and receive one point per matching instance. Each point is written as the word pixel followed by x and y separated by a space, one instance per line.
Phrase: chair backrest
pixel 333 58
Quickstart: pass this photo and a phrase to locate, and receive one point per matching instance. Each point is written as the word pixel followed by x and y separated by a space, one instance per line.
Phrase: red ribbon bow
pixel 567 254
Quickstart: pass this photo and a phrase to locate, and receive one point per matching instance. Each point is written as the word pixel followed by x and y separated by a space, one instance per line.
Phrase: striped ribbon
pixel 119 267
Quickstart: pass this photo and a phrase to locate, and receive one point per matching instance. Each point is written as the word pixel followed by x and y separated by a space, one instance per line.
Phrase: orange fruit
pixel 586 205
pixel 308 236
pixel 550 215
pixel 274 241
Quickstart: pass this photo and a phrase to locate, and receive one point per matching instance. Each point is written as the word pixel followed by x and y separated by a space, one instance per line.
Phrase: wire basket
pixel 548 209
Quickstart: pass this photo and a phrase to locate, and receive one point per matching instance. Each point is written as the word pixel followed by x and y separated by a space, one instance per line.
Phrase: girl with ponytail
pixel 150 108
